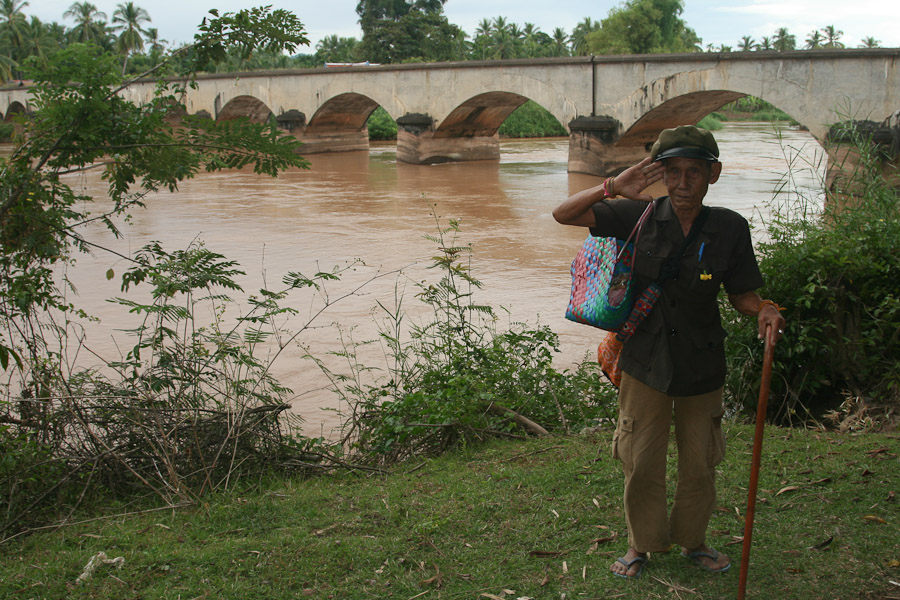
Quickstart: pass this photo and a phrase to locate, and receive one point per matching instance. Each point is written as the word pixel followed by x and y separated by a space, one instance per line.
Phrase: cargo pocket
pixel 622 440
pixel 716 441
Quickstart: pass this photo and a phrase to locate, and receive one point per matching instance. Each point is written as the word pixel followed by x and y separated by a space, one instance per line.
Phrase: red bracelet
pixel 606 191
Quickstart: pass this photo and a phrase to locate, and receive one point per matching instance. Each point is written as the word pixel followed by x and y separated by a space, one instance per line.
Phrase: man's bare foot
pixel 631 565
pixel 708 558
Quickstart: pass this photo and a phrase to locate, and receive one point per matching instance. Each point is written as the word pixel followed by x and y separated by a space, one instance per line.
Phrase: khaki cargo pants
pixel 641 443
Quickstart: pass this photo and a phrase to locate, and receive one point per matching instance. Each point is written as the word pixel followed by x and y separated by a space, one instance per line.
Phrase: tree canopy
pixel 396 31
pixel 644 27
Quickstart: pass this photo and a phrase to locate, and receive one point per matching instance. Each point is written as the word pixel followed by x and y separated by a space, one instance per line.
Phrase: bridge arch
pixel 339 124
pixel 250 107
pixel 15 108
pixel 479 116
pixel 345 112
pixel 686 109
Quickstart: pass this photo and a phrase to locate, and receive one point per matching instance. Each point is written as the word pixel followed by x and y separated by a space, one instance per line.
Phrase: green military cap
pixel 688 141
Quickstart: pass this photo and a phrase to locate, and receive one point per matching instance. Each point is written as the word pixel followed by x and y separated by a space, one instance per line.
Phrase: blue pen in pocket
pixel 704 275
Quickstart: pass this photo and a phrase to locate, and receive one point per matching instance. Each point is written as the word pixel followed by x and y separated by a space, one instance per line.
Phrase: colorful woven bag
pixel 601 280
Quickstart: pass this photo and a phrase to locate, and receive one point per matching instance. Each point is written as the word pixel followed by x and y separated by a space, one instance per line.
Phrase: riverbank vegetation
pixel 834 269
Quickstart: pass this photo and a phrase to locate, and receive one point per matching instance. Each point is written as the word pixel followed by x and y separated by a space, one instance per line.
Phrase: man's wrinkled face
pixel 688 179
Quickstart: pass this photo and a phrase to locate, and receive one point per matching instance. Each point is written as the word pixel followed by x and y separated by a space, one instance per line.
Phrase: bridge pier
pixel 333 141
pixel 417 143
pixel 593 150
pixel 320 140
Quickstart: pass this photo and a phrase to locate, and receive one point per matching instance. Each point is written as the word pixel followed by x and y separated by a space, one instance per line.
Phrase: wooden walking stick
pixel 761 406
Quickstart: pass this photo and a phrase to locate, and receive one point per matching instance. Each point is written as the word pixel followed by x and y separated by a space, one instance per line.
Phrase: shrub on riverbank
pixel 531 120
pixel 381 126
pixel 711 122
pixel 456 378
pixel 835 271
pixel 751 108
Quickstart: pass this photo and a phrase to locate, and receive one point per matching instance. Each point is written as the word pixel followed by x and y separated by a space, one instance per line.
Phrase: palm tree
pixel 560 42
pixel 870 42
pixel 747 44
pixel 484 27
pixel 832 37
pixel 502 42
pixel 580 33
pixel 530 36
pixel 157 46
pixel 814 40
pixel 765 43
pixel 39 41
pixel 333 48
pixel 13 26
pixel 516 35
pixel 7 66
pixel 129 19
pixel 88 27
pixel 784 40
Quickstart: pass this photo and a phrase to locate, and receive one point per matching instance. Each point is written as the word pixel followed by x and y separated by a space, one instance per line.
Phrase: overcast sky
pixel 716 22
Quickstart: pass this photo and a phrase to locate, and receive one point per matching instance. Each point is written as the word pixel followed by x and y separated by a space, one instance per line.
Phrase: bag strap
pixel 636 232
pixel 647 300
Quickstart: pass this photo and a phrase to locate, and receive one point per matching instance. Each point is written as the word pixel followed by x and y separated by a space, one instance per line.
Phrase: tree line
pixel 394 31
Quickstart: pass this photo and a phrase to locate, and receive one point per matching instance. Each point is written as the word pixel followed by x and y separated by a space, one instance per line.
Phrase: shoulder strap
pixel 636 232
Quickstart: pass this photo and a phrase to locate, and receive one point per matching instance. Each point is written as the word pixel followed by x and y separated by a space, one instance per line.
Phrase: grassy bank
pixel 540 518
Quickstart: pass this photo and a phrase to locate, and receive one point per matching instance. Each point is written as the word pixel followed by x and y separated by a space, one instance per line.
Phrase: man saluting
pixel 673 366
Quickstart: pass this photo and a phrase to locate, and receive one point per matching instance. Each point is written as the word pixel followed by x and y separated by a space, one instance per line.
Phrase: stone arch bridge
pixel 612 106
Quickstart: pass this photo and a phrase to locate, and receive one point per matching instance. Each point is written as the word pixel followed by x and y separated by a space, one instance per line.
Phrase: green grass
pixel 527 516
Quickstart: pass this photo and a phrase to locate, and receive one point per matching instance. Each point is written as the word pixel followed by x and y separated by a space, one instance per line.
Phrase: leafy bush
pixel 759 109
pixel 710 122
pixel 457 379
pixel 531 120
pixel 6 131
pixel 836 272
pixel 382 126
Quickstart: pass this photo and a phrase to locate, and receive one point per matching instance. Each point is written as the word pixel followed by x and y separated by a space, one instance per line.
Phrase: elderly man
pixel 674 364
